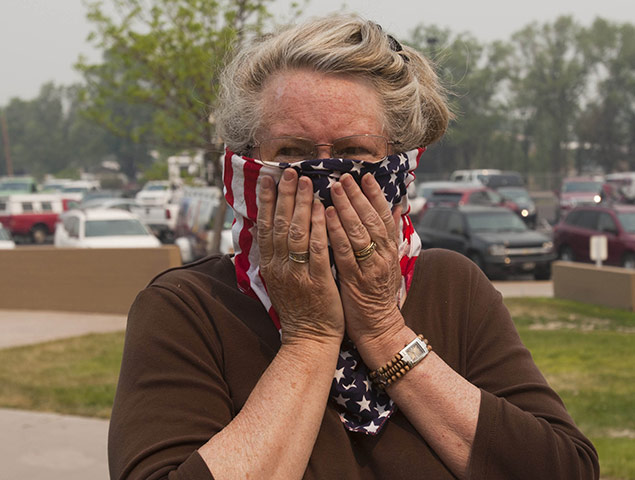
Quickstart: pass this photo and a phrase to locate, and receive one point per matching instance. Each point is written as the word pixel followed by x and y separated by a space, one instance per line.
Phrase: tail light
pixel 168 215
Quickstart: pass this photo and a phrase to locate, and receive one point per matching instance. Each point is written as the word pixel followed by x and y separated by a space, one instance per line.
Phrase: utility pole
pixel 5 142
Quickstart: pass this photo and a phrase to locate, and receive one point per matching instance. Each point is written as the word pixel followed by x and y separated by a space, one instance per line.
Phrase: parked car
pixel 6 242
pixel 103 228
pixel 624 185
pixel 160 219
pixel 519 201
pixel 473 175
pixel 503 179
pixel 158 192
pixel 616 222
pixel 14 185
pixel 32 216
pixel 580 191
pixel 492 237
pixel 466 195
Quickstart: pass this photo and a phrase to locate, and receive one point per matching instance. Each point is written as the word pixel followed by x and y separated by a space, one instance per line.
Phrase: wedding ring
pixel 299 257
pixel 365 252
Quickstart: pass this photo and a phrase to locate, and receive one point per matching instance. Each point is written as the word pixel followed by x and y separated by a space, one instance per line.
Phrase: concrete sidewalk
pixel 45 446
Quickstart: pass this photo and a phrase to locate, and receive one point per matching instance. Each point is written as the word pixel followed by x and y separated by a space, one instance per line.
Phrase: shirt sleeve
pixel 524 429
pixel 171 396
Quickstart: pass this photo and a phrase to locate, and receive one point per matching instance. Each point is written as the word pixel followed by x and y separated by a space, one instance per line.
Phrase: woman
pixel 303 355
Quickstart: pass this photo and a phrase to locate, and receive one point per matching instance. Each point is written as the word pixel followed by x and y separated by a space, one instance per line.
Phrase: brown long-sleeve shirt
pixel 195 348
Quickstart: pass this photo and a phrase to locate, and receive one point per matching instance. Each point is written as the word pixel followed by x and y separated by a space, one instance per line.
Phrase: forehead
pixel 319 106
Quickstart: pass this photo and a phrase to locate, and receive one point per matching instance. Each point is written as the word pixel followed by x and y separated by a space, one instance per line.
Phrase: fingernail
pixel 288 174
pixel 347 180
pixel 337 189
pixel 303 183
pixel 330 212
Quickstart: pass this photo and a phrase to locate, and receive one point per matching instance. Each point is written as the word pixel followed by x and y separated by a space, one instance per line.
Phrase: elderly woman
pixel 303 355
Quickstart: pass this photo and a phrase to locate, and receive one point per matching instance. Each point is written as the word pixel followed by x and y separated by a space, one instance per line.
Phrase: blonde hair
pixel 414 102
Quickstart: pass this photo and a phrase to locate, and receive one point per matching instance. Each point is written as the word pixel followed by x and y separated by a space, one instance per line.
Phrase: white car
pixel 6 242
pixel 157 192
pixel 103 228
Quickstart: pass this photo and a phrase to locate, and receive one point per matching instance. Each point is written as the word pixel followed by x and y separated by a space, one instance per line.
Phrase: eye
pixel 291 151
pixel 353 151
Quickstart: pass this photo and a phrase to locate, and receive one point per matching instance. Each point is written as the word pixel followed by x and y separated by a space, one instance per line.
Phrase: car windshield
pixel 495 222
pixel 585 187
pixel 515 194
pixel 106 228
pixel 15 186
pixel 156 188
pixel 627 219
pixel 449 197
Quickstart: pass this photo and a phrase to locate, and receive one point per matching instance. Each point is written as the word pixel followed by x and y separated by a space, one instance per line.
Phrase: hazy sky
pixel 40 40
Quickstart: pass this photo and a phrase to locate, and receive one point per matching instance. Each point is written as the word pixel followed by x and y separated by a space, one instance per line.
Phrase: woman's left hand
pixel 368 287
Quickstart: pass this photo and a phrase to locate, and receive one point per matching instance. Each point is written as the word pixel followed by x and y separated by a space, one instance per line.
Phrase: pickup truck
pixel 32 217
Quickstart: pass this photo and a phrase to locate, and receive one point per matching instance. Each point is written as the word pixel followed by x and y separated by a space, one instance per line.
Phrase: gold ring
pixel 299 257
pixel 365 252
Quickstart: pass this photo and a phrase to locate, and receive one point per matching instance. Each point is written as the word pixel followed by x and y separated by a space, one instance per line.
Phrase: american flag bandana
pixel 362 407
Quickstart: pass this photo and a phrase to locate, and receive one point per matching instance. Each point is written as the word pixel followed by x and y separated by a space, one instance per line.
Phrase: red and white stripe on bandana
pixel 362 407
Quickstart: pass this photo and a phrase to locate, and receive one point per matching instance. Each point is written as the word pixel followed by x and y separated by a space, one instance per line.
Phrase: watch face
pixel 414 351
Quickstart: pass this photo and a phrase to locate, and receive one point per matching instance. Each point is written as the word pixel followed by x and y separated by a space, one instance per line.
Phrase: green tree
pixel 549 73
pixel 605 127
pixel 475 75
pixel 164 56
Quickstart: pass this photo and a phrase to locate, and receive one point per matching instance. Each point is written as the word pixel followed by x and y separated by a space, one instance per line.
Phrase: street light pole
pixel 5 142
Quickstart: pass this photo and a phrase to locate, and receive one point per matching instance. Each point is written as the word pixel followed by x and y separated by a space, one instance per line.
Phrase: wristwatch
pixel 401 363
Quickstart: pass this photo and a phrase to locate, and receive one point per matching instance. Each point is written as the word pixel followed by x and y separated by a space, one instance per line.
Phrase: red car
pixel 572 235
pixel 458 196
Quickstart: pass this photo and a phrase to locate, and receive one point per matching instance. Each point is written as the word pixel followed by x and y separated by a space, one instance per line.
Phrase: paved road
pixel 44 446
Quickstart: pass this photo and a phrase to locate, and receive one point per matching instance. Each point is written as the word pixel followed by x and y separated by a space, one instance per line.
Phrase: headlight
pixel 547 246
pixel 524 212
pixel 597 199
pixel 497 250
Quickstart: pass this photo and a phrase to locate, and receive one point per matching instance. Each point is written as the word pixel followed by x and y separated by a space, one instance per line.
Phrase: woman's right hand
pixel 303 294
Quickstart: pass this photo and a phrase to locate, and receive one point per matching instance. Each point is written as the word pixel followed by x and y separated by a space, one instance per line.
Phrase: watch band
pixel 401 363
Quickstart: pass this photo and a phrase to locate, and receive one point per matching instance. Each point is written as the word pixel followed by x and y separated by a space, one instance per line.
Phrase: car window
pixel 27 206
pixel 606 223
pixel 47 207
pixel 587 219
pixel 102 228
pixel 479 198
pixel 429 218
pixel 445 197
pixel 455 223
pixel 496 221
pixel 627 219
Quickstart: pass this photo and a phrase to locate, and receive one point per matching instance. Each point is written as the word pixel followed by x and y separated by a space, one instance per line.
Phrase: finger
pixel 376 197
pixel 349 217
pixel 298 239
pixel 284 211
pixel 319 264
pixel 264 221
pixel 340 242
pixel 396 217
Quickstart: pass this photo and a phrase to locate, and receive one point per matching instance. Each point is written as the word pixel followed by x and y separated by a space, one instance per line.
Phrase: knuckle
pixel 280 224
pixel 357 230
pixel 297 233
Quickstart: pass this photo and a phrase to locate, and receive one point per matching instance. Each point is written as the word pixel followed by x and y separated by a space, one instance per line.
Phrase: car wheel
pixel 542 272
pixel 39 234
pixel 566 254
pixel 629 261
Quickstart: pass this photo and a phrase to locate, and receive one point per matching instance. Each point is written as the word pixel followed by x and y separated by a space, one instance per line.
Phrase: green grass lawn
pixel 587 354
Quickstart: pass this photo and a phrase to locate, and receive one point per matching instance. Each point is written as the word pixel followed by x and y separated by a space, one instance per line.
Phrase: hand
pixel 368 287
pixel 304 295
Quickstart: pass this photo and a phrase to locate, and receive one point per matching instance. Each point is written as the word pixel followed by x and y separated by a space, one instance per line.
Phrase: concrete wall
pixel 609 286
pixel 79 280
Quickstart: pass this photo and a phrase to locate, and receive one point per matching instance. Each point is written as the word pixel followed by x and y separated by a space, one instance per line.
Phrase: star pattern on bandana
pixel 390 173
pixel 361 406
